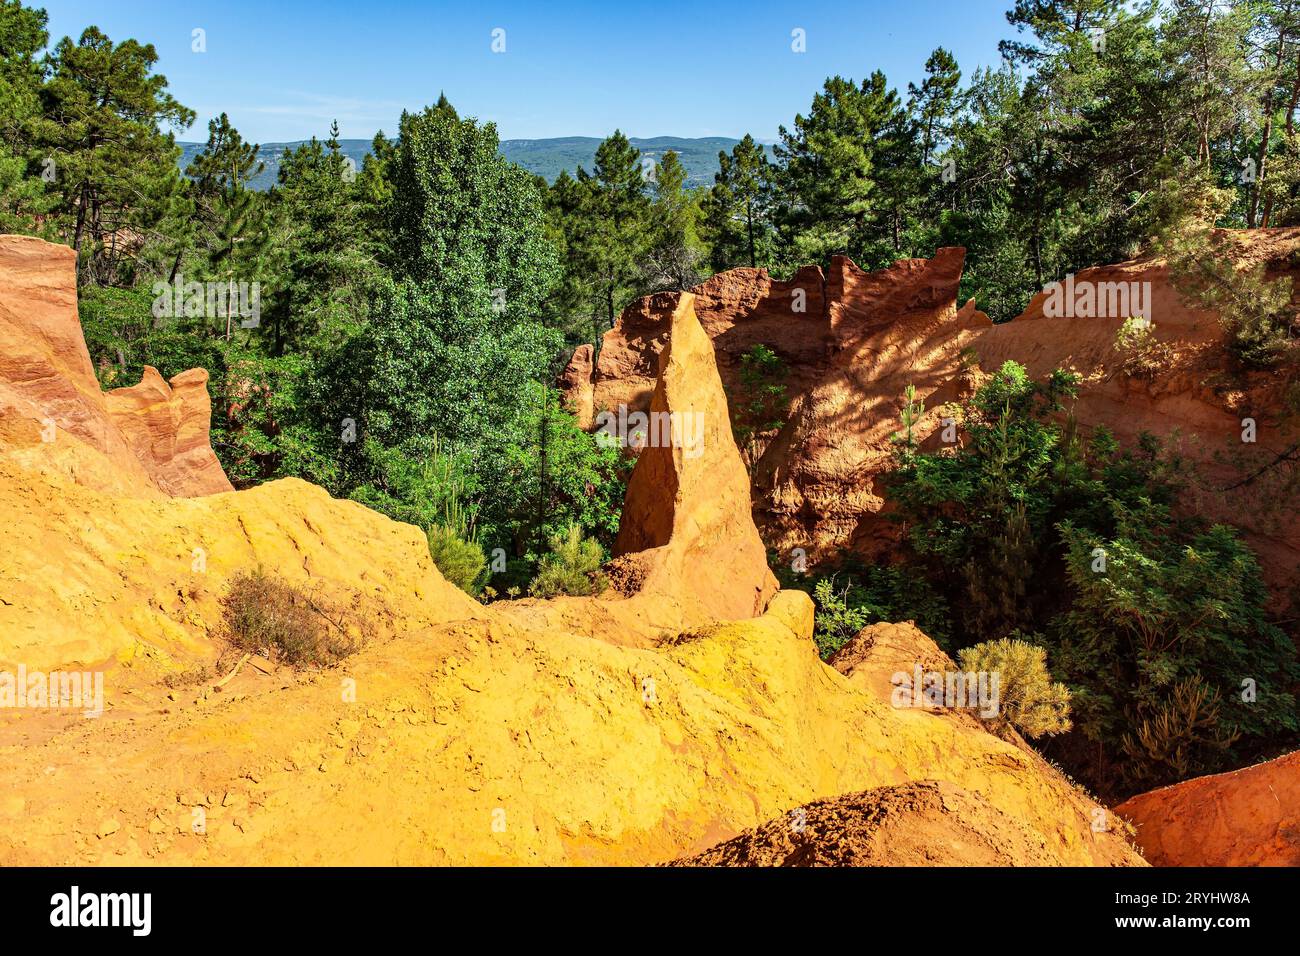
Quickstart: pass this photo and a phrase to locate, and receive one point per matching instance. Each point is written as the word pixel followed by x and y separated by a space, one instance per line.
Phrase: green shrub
pixel 571 567
pixel 978 518
pixel 1157 605
pixel 869 594
pixel 461 562
pixel 1182 736
pixel 1028 526
pixel 837 621
pixel 264 614
pixel 1028 699
pixel 760 403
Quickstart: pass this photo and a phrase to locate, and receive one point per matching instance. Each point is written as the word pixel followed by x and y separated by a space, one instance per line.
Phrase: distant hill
pixel 544 157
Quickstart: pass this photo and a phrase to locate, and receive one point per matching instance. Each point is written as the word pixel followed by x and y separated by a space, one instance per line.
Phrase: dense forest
pixel 393 332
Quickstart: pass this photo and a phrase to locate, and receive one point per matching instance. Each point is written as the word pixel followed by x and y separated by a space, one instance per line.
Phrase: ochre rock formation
pixel 680 517
pixel 575 383
pixel 851 342
pixel 166 425
pixel 915 824
pixel 687 552
pixel 879 651
pixel 514 733
pixel 476 742
pixel 146 441
pixel 866 336
pixel 89 579
pixel 1248 817
pixel 738 309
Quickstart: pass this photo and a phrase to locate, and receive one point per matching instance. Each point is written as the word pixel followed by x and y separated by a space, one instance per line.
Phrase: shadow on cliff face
pixel 870 335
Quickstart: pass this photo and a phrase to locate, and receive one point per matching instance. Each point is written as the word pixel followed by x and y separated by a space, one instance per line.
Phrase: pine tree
pixel 102 113
pixel 24 171
pixel 616 227
pixel 326 247
pixel 831 169
pixel 228 226
pixel 675 249
pixel 738 208
pixel 934 103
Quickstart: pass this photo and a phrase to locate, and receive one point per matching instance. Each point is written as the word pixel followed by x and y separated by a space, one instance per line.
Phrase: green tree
pixel 103 109
pixel 837 196
pixel 575 306
pixel 934 103
pixel 675 249
pixel 738 209
pixel 616 226
pixel 327 247
pixel 23 168
pixel 228 226
pixel 572 566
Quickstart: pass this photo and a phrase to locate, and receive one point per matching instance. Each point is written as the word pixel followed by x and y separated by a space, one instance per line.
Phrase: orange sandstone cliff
pixel 144 441
pixel 1248 817
pixel 862 338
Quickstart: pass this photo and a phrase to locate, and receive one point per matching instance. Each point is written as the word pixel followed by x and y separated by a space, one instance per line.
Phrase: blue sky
pixel 283 69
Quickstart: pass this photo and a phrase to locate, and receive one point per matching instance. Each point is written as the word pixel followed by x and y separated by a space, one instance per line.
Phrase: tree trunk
pixel 1262 159
pixel 749 217
pixel 81 223
pixel 1288 130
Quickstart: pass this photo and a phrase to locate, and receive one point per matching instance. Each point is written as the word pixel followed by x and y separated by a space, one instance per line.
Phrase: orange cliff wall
pixel 150 440
pixel 865 336
pixel 1248 817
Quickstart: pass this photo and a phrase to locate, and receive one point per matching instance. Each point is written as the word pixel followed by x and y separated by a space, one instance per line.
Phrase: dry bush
pixel 266 615
pixel 1144 355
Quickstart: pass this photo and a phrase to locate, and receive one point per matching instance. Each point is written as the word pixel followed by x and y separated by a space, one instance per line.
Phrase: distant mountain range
pixel 543 157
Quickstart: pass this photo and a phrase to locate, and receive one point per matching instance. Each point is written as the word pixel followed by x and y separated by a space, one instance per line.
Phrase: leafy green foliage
pixel 675 251
pixel 1183 735
pixel 760 402
pixel 1171 604
pixel 461 562
pixel 834 166
pixel 836 620
pixel 1026 527
pixel 24 171
pixel 103 111
pixel 979 517
pixel 324 258
pixel 850 599
pixel 602 223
